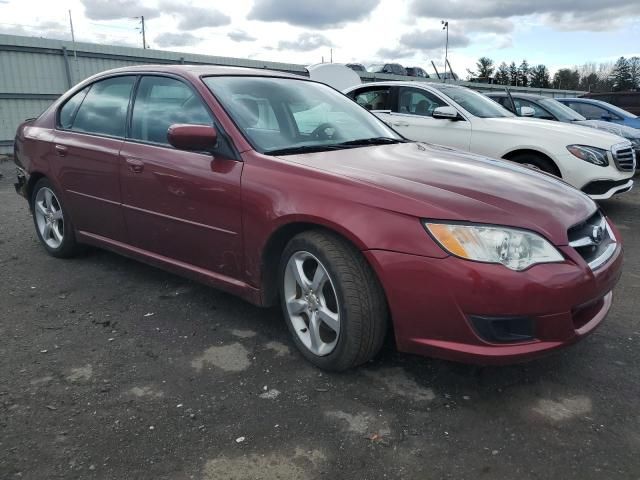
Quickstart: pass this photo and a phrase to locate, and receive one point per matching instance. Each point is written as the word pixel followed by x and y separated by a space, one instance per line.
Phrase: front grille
pixel 594 240
pixel 625 157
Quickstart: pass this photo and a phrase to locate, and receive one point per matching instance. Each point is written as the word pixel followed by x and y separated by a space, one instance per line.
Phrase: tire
pixel 536 162
pixel 52 221
pixel 349 305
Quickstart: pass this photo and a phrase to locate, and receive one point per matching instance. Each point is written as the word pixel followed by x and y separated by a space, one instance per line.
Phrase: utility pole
pixel 73 40
pixel 144 38
pixel 445 26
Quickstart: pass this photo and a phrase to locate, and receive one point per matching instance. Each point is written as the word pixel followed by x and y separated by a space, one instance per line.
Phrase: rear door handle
pixel 61 150
pixel 135 165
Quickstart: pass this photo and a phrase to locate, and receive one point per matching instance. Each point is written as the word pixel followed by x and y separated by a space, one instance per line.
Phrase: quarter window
pixel 418 102
pixel 161 102
pixel 104 109
pixel 69 109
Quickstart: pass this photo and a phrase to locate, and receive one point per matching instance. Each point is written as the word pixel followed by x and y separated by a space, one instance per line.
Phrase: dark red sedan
pixel 277 188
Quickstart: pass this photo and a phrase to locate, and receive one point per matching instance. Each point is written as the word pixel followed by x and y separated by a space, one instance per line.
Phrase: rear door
pixel 183 206
pixel 91 130
pixel 412 116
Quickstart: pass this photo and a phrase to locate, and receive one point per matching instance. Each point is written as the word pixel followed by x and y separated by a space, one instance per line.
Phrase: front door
pixel 183 206
pixel 412 116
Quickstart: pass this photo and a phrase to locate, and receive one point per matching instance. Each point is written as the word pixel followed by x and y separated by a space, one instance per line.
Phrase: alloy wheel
pixel 312 303
pixel 49 217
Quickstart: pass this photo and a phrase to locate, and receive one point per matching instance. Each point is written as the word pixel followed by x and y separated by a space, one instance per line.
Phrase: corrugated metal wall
pixel 35 71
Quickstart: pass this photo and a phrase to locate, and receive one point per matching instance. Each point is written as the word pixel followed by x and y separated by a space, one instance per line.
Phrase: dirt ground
pixel 110 369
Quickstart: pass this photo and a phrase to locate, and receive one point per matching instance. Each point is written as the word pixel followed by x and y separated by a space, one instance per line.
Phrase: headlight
pixel 635 142
pixel 594 155
pixel 515 249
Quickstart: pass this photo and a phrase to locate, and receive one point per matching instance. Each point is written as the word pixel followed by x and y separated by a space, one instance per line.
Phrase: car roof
pixel 528 96
pixel 201 70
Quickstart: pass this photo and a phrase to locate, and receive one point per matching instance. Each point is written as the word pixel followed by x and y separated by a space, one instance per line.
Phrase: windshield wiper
pixel 303 149
pixel 372 141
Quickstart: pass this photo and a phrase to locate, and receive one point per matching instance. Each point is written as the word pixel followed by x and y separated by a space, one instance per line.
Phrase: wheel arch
pixel 529 151
pixel 276 243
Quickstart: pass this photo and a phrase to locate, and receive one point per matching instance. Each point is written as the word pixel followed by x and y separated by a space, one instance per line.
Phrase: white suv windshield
pixel 278 114
pixel 474 102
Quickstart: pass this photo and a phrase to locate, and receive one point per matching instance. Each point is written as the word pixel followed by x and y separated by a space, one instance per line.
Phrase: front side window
pixel 591 112
pixel 473 102
pixel 161 102
pixel 286 113
pixel 415 101
pixel 538 111
pixel 104 109
pixel 374 99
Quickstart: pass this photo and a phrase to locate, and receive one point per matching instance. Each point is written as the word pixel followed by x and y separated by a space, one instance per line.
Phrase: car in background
pixel 596 162
pixel 546 108
pixel 389 68
pixel 356 67
pixel 598 110
pixel 417 72
pixel 208 172
pixel 629 101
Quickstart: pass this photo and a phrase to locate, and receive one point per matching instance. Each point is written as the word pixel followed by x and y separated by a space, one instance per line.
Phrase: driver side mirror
pixel 527 112
pixel 445 113
pixel 197 138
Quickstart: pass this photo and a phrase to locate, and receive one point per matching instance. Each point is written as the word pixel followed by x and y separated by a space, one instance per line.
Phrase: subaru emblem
pixel 597 235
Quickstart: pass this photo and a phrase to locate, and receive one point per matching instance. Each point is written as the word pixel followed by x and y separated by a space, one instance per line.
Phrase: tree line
pixel 622 75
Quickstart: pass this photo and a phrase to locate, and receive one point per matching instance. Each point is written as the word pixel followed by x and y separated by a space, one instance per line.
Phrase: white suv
pixel 598 163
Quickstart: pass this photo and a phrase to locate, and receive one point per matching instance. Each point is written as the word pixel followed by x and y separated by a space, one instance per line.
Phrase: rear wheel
pixel 536 162
pixel 333 304
pixel 52 222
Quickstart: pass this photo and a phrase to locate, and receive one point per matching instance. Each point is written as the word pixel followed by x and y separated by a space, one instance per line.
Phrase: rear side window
pixel 161 102
pixel 68 111
pixel 104 109
pixel 376 99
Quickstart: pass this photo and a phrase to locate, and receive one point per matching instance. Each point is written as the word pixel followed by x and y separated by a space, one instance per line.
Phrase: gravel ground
pixel 113 369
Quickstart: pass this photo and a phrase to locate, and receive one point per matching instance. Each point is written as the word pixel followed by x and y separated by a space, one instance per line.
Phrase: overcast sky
pixel 555 32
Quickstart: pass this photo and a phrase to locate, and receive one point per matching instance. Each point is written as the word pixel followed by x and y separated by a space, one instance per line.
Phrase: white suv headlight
pixel 515 249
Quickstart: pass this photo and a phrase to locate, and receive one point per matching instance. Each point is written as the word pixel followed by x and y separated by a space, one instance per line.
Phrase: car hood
pixel 429 181
pixel 629 133
pixel 544 129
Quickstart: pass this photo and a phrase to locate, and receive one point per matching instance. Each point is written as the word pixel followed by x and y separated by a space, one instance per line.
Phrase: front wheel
pixel 332 301
pixel 536 162
pixel 52 222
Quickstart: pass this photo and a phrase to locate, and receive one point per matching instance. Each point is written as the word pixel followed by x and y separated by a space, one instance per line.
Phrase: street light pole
pixel 445 26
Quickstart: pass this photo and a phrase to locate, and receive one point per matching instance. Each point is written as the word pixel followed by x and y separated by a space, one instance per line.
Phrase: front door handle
pixel 61 150
pixel 135 165
pixel 400 124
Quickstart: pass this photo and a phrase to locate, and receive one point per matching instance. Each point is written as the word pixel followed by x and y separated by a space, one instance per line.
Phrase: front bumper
pixel 432 302
pixel 22 180
pixel 604 189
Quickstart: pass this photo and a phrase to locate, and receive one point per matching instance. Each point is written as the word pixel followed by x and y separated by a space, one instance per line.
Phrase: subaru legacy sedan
pixel 279 189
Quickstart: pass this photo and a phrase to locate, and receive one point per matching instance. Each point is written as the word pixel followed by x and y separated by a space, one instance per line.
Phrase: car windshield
pixel 616 110
pixel 375 68
pixel 286 115
pixel 561 111
pixel 474 102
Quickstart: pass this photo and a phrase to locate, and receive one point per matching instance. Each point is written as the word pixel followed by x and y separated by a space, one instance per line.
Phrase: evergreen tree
pixel 523 73
pixel 566 79
pixel 513 74
pixel 539 77
pixel 621 75
pixel 634 64
pixel 502 75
